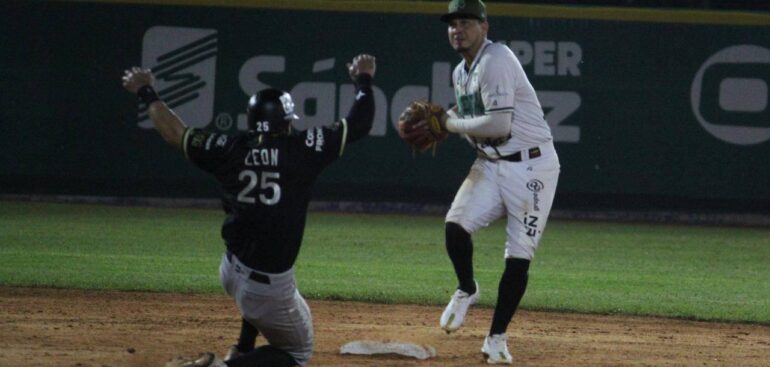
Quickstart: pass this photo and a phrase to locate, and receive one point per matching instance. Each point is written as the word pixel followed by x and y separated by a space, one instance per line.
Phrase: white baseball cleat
pixel 454 313
pixel 495 349
pixel 203 360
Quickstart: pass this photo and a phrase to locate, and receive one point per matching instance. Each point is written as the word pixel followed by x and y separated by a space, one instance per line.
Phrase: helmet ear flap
pixel 270 111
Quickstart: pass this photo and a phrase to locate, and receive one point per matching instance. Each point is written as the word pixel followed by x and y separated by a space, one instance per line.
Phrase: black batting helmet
pixel 270 111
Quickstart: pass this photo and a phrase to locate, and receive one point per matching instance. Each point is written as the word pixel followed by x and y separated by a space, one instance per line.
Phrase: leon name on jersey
pixel 261 157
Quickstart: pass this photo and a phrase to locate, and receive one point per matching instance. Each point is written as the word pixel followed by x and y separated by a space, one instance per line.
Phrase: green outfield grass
pixel 714 273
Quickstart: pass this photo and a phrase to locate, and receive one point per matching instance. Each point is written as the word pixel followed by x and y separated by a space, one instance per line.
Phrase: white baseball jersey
pixel 494 83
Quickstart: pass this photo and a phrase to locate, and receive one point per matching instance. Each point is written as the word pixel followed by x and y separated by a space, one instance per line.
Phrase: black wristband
pixel 364 80
pixel 147 94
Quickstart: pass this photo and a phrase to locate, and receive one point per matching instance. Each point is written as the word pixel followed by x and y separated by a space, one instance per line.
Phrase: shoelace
pixel 461 294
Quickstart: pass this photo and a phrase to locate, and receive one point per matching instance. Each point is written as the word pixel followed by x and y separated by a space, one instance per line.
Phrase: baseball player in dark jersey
pixel 266 175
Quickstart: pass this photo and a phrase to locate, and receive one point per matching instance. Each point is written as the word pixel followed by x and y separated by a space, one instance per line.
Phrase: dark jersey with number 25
pixel 266 180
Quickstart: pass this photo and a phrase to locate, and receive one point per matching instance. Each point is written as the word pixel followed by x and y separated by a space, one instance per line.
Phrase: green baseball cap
pixel 465 9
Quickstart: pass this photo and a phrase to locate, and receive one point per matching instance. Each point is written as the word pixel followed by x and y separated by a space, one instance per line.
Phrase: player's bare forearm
pixel 168 124
pixel 140 82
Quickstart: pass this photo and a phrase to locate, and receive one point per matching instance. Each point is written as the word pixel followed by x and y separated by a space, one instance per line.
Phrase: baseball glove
pixel 422 125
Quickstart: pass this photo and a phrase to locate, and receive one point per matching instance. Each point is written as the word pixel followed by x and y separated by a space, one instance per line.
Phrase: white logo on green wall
pixel 184 63
pixel 729 95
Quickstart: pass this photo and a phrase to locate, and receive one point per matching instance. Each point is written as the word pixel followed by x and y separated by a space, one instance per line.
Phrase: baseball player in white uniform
pixel 514 176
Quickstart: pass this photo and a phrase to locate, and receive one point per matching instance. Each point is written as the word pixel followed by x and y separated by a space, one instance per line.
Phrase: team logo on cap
pixel 288 106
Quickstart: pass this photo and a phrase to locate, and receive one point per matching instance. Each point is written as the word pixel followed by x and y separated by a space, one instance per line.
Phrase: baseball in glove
pixel 422 125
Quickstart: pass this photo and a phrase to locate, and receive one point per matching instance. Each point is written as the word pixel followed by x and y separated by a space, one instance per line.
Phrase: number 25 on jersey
pixel 269 191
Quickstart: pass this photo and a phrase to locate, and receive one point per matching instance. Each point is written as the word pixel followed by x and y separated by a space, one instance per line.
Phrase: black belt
pixel 516 157
pixel 253 275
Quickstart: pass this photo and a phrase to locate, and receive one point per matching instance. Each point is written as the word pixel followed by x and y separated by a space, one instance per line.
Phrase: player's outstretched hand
pixel 136 78
pixel 362 64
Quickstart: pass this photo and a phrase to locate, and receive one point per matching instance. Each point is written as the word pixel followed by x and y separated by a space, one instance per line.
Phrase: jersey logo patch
pixel 498 92
pixel 222 141
pixel 198 140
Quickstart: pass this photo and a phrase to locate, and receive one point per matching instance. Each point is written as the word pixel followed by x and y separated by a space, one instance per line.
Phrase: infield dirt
pixel 50 327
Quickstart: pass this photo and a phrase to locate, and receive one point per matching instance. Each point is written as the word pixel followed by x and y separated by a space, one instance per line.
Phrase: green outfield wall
pixel 649 109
